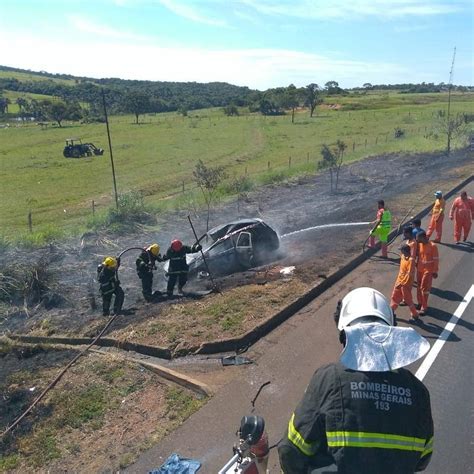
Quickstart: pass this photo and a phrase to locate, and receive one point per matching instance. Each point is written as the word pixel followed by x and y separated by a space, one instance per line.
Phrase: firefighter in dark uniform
pixel 109 285
pixel 178 268
pixel 145 264
pixel 366 414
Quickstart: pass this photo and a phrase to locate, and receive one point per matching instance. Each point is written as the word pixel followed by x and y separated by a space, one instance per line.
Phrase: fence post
pixel 183 186
pixel 268 165
pixel 246 171
pixel 289 162
pixel 353 146
pixel 30 222
pixel 376 139
pixel 93 208
pixel 307 157
pixel 365 143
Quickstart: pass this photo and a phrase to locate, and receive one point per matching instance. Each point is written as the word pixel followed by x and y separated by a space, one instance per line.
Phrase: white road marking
pixel 325 226
pixel 444 336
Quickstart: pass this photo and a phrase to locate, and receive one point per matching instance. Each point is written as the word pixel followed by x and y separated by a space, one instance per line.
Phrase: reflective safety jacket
pixel 406 272
pixel 108 279
pixel 146 262
pixel 178 259
pixel 428 258
pixel 364 422
pixel 385 218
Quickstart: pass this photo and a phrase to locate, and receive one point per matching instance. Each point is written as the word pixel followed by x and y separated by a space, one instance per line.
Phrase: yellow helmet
pixel 154 249
pixel 110 262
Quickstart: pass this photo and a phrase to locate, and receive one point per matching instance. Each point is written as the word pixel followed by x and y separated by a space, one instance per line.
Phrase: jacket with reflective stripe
pixel 365 422
pixel 438 207
pixel 386 221
pixel 428 257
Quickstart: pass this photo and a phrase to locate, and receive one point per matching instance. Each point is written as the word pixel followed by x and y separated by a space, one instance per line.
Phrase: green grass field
pixel 29 77
pixel 159 155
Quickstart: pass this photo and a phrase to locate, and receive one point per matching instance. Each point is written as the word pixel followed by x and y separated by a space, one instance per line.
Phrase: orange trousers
pixel 461 225
pixel 403 294
pixel 425 281
pixel 436 225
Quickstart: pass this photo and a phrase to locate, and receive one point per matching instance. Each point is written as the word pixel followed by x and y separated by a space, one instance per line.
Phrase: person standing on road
pixel 366 413
pixel 178 267
pixel 462 211
pixel 109 285
pixel 404 283
pixel 416 227
pixel 437 217
pixel 427 268
pixel 381 227
pixel 146 263
pixel 409 240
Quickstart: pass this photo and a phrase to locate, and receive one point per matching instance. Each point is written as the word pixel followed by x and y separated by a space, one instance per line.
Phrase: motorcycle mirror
pixel 251 428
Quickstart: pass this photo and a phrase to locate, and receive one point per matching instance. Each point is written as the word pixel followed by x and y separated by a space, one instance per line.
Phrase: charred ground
pixel 64 298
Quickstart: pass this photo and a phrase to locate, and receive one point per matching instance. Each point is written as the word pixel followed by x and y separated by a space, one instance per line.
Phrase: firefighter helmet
pixel 154 249
pixel 176 245
pixel 110 262
pixel 364 303
pixel 438 194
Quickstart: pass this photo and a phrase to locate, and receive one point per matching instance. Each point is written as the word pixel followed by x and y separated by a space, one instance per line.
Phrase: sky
pixel 255 43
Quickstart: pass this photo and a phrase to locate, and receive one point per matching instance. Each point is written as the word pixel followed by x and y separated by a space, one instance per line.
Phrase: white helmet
pixel 364 302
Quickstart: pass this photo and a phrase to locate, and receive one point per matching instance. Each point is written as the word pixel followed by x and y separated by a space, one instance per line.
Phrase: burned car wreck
pixel 233 247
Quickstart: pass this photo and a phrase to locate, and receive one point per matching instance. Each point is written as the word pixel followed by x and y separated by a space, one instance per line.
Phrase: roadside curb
pixel 154 351
pixel 178 378
pixel 252 336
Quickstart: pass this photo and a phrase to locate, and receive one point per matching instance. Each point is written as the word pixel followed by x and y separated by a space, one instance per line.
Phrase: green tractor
pixel 76 149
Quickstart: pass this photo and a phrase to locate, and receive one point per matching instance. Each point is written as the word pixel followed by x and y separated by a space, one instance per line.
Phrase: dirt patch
pixel 98 418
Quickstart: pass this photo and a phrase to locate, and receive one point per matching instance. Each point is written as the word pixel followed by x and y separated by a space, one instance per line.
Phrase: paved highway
pixel 290 354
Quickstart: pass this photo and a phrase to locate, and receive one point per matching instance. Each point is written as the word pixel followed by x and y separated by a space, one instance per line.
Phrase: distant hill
pixel 164 96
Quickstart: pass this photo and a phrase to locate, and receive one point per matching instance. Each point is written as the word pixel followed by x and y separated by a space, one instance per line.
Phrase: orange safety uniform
pixel 437 218
pixel 413 247
pixel 403 285
pixel 463 213
pixel 428 263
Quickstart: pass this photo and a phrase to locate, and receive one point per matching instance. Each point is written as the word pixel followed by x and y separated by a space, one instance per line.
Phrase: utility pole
pixel 110 149
pixel 448 118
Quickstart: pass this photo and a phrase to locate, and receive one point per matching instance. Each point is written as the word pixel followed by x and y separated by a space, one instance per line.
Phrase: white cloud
pixel 256 68
pixel 191 13
pixel 348 9
pixel 84 25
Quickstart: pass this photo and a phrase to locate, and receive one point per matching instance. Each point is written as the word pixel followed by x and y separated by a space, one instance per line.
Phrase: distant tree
pixel 60 111
pixel 367 85
pixel 291 100
pixel 231 110
pixel 332 87
pixel 341 148
pixel 312 97
pixel 183 110
pixel 136 103
pixel 332 159
pixel 208 179
pixel 22 103
pixel 4 103
pixel 453 128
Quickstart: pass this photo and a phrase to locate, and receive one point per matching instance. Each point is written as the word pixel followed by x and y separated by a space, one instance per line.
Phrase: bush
pixel 131 212
pixel 399 132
